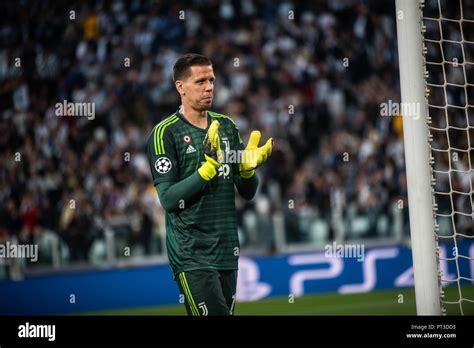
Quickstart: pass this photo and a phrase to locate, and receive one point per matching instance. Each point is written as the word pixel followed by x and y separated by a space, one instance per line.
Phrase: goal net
pixel 447 28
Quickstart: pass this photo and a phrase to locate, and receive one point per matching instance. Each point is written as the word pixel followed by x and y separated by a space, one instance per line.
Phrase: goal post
pixel 417 158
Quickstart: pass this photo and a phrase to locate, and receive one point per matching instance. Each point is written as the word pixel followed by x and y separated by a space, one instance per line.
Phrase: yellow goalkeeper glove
pixel 254 156
pixel 212 152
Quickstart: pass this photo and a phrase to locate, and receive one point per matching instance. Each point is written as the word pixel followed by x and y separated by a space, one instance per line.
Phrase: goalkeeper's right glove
pixel 212 152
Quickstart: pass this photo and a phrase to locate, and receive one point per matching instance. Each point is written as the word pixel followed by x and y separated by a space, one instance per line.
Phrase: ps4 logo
pixel 300 274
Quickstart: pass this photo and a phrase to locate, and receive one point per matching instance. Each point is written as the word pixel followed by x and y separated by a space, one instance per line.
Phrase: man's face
pixel 197 89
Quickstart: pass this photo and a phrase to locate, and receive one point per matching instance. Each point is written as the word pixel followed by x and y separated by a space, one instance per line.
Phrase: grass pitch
pixel 392 302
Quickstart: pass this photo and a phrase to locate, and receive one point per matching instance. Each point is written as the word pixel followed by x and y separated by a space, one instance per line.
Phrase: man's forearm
pixel 171 194
pixel 246 187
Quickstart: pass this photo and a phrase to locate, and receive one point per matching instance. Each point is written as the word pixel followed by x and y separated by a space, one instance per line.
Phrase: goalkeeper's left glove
pixel 254 156
pixel 212 152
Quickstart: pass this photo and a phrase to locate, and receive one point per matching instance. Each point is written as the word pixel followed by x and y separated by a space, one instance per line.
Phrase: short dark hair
pixel 182 65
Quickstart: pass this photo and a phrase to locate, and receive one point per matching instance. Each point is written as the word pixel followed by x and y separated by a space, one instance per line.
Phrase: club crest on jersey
pixel 187 139
pixel 163 165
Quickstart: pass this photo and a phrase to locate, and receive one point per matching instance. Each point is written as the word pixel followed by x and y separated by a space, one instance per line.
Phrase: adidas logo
pixel 190 149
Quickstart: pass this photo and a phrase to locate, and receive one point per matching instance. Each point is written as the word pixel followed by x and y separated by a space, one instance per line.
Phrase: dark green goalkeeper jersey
pixel 201 228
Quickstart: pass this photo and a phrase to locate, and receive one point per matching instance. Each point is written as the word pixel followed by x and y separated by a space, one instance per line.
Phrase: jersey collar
pixel 209 120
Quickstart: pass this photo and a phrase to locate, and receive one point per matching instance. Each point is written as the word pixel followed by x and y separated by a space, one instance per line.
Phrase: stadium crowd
pixel 311 74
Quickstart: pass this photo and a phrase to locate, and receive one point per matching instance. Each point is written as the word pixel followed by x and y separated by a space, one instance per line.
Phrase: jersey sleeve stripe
pixel 155 143
pixel 161 146
pixel 184 284
pixel 157 131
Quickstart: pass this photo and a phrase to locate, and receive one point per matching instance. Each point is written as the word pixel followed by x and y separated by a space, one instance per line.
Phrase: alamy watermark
pixel 28 330
pixel 239 156
pixel 75 109
pixel 19 251
pixel 392 109
pixel 335 250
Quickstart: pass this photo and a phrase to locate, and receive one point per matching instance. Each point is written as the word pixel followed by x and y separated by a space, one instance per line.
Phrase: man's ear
pixel 179 87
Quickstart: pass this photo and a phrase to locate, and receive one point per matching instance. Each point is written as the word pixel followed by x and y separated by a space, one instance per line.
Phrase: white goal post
pixel 417 159
pixel 436 60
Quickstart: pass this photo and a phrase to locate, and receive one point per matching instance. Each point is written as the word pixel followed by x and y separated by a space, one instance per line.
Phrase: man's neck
pixel 196 118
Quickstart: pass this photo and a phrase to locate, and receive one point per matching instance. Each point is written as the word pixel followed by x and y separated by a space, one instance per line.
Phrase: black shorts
pixel 208 291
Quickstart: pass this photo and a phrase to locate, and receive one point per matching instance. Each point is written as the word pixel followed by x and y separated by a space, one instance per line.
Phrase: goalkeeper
pixel 188 154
